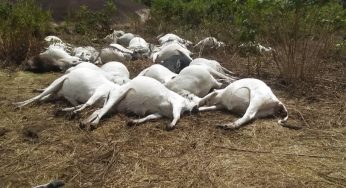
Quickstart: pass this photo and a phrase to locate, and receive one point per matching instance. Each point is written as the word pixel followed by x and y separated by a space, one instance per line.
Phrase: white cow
pixel 82 85
pixel 112 54
pixel 159 73
pixel 122 48
pixel 195 79
pixel 248 96
pixel 87 53
pixel 53 59
pixel 52 39
pixel 118 69
pixel 170 50
pixel 57 42
pixel 113 71
pixel 58 53
pixel 139 44
pixel 135 97
pixel 125 39
pixel 172 37
pixel 173 56
pixel 209 42
pixel 255 47
pixel 114 36
pixel 212 66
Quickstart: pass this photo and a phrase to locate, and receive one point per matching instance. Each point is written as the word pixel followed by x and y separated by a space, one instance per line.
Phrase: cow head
pixel 281 111
pixel 191 101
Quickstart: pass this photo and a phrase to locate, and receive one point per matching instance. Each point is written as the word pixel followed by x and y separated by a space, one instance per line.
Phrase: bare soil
pixel 37 145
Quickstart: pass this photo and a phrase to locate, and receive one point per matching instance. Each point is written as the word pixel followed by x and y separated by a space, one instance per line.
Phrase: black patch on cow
pixel 176 63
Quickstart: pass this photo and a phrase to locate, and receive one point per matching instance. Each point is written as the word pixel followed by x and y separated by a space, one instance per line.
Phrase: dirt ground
pixel 37 145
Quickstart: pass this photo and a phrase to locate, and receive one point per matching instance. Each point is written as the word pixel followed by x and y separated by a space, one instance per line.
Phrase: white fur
pixel 169 51
pixel 195 79
pixel 113 71
pixel 87 53
pixel 57 42
pixel 212 66
pixel 144 96
pixel 114 36
pixel 139 44
pixel 250 97
pixel 159 73
pixel 111 54
pixel 172 37
pixel 82 85
pixel 125 39
pixel 209 42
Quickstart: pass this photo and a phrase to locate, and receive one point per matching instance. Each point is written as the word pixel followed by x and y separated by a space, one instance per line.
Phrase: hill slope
pixel 60 9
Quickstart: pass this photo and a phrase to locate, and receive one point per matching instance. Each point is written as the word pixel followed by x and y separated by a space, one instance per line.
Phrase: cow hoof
pixel 87 126
pixel 82 125
pixel 221 126
pixel 58 112
pixel 230 126
pixel 227 126
pixel 130 123
pixel 169 127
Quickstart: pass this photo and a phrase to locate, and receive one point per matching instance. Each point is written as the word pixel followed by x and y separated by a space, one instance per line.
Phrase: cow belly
pixel 237 101
pixel 143 105
pixel 78 90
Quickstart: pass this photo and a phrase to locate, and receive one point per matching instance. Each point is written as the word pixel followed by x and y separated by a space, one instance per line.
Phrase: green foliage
pixel 145 2
pixel 89 22
pixel 22 26
pixel 300 30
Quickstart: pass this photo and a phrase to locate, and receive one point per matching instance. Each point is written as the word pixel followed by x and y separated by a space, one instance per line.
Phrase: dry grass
pixel 36 146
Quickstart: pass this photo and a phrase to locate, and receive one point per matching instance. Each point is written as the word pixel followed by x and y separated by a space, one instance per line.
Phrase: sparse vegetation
pixel 301 32
pixel 92 23
pixel 22 26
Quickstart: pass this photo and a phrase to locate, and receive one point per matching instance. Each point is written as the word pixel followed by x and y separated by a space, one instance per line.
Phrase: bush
pixel 89 22
pixel 301 32
pixel 22 26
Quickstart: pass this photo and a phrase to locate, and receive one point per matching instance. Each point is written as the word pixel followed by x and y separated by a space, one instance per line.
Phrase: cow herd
pixel 175 84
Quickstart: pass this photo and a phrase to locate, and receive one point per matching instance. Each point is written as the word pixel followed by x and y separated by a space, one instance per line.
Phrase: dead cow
pixel 82 85
pixel 135 97
pixel 159 73
pixel 113 71
pixel 195 79
pixel 53 59
pixel 215 69
pixel 250 97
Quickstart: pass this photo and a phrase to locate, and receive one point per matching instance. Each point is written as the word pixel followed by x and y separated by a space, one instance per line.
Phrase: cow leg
pixel 176 116
pixel 71 108
pixel 51 89
pixel 142 120
pixel 46 97
pixel 206 98
pixel 92 100
pixel 72 101
pixel 113 99
pixel 216 84
pixel 249 115
pixel 210 108
pixel 219 75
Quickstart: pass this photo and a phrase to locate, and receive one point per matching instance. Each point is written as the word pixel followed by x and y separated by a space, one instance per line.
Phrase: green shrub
pixel 22 26
pixel 89 22
pixel 302 32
